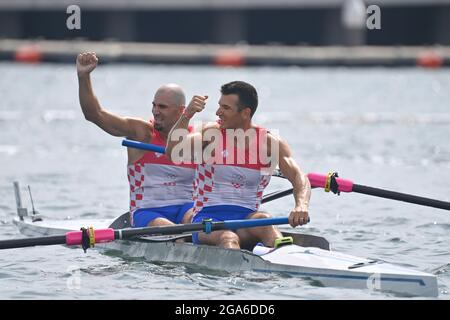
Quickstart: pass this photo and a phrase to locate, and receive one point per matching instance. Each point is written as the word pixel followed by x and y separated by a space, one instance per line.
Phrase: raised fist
pixel 86 62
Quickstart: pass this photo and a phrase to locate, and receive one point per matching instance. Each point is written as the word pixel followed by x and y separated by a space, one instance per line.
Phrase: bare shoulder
pixel 140 129
pixel 276 141
pixel 209 125
pixel 274 138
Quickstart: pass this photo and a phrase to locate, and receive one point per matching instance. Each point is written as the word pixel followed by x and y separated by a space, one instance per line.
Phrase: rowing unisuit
pixel 222 182
pixel 156 182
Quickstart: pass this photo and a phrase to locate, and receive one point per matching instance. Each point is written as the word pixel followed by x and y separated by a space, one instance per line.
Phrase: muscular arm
pixel 300 183
pixel 179 136
pixel 132 128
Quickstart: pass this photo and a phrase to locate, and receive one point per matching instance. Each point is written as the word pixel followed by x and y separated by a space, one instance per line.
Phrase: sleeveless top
pixel 227 181
pixel 155 181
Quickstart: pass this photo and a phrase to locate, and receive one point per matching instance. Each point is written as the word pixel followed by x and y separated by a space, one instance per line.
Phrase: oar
pixel 276 195
pixel 160 149
pixel 123 221
pixel 143 146
pixel 88 237
pixel 328 182
pixel 335 184
pixel 344 185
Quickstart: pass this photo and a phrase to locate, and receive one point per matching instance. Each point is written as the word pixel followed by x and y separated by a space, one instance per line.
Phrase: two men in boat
pixel 235 159
pixel 228 182
pixel 160 191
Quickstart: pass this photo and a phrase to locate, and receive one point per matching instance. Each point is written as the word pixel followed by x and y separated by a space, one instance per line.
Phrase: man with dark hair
pixel 248 97
pixel 234 164
pixel 160 191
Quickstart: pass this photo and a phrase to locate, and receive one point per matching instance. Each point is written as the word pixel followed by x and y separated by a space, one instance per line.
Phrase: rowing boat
pixel 308 257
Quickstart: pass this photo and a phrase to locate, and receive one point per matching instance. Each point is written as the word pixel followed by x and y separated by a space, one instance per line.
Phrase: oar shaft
pixel 277 195
pixel 29 242
pixel 143 146
pixel 251 223
pixel 175 229
pixel 345 185
pixel 320 181
pixel 107 235
pixel 199 227
pixel 401 197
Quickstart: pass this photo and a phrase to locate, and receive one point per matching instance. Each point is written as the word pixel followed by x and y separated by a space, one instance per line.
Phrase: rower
pixel 231 176
pixel 160 190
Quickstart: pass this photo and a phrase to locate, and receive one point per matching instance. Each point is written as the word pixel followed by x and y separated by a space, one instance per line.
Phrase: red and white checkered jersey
pixel 155 181
pixel 231 182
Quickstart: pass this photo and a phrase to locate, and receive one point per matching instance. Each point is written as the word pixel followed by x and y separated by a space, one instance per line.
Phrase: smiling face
pixel 229 113
pixel 167 108
pixel 237 105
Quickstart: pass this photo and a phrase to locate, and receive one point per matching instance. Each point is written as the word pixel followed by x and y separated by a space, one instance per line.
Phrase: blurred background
pixel 259 31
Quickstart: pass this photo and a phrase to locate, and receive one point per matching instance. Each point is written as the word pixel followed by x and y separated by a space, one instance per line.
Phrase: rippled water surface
pixel 387 128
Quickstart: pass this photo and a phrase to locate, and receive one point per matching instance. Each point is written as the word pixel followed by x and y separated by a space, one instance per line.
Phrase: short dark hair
pixel 248 97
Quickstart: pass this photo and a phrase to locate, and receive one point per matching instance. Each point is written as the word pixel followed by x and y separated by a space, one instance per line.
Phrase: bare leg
pixel 158 222
pixel 267 234
pixel 223 238
pixel 186 219
pixel 188 216
pixel 164 222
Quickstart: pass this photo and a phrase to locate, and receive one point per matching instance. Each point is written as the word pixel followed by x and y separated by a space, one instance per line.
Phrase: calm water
pixel 377 127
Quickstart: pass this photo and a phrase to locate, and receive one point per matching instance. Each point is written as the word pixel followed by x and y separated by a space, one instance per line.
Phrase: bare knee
pixel 266 234
pixel 187 217
pixel 260 215
pixel 159 222
pixel 224 239
pixel 229 239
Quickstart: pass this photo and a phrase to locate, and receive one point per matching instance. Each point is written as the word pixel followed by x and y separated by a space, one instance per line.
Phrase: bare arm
pixel 179 137
pixel 300 183
pixel 132 128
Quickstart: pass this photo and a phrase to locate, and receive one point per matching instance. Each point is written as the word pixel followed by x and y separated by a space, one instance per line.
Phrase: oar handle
pixel 320 181
pixel 100 235
pixel 143 146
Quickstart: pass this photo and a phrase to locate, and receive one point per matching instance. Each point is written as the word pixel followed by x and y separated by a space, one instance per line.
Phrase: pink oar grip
pixel 101 235
pixel 319 180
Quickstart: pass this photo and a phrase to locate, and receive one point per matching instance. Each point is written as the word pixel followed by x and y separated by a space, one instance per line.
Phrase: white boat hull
pixel 324 266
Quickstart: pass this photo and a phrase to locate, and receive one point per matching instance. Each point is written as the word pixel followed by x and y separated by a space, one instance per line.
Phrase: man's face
pixel 229 115
pixel 165 111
